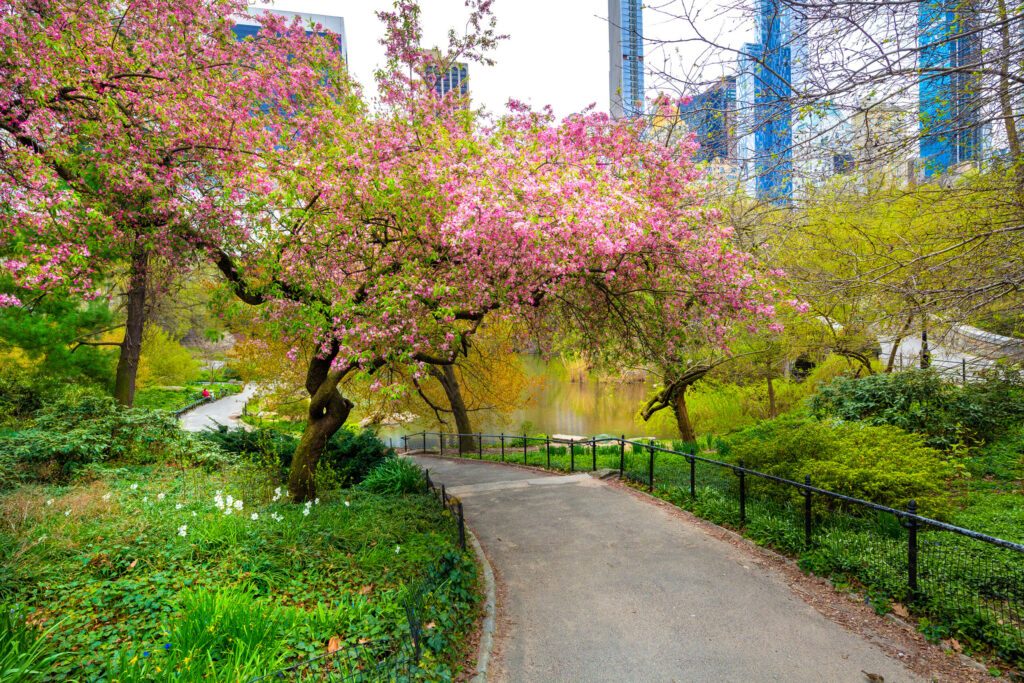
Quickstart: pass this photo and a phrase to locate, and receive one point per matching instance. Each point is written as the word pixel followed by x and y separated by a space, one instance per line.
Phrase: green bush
pixel 349 455
pixel 879 463
pixel 395 475
pixel 21 395
pixel 164 361
pixel 24 651
pixel 83 426
pixel 921 401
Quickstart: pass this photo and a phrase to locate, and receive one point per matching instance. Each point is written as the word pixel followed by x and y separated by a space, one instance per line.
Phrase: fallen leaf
pixel 900 611
pixel 429 625
pixel 364 641
pixel 334 644
pixel 134 562
pixel 955 644
pixel 366 590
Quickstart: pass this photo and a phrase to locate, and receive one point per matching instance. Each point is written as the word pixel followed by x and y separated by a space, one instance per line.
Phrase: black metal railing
pixel 965 577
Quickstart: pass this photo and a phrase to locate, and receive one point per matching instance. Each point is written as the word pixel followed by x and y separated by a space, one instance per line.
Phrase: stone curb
pixel 483 655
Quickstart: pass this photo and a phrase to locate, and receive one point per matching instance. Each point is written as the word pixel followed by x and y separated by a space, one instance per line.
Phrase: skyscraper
pixel 711 116
pixel 764 94
pixel 626 51
pixel 454 78
pixel 249 25
pixel 947 88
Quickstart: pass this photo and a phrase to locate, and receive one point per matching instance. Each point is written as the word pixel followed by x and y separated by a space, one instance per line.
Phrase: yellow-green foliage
pixel 719 408
pixel 883 464
pixel 164 361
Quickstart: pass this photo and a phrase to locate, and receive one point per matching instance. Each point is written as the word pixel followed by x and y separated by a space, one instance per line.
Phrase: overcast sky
pixel 557 52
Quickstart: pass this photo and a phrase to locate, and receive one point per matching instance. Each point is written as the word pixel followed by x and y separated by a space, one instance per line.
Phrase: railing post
pixel 405 442
pixel 503 446
pixel 807 512
pixel 459 436
pixel 524 449
pixel 480 446
pixel 650 470
pixel 593 454
pixel 426 475
pixel 424 441
pixel 963 370
pixel 462 525
pixel 572 455
pixel 743 494
pixel 693 475
pixel 440 442
pixel 547 448
pixel 444 496
pixel 622 456
pixel 912 547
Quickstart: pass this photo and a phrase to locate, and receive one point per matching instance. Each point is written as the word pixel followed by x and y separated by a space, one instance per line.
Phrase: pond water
pixel 558 405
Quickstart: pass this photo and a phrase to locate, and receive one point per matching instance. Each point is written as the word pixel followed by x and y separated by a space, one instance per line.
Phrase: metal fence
pixel 394 659
pixel 969 582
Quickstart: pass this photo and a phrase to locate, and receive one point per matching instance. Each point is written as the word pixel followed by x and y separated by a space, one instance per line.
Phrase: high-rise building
pixel 454 78
pixel 765 87
pixel 626 63
pixel 949 44
pixel 249 25
pixel 711 116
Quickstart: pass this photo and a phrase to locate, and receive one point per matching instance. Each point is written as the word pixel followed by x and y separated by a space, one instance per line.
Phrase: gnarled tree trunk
pixel 131 345
pixel 328 410
pixel 683 415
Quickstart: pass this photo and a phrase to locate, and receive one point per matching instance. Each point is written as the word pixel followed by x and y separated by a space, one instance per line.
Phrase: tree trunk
pixel 683 415
pixel 328 410
pixel 896 343
pixel 131 345
pixel 450 383
pixel 1005 96
pixel 772 410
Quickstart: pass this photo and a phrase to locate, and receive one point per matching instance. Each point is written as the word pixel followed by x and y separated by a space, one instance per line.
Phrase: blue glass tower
pixel 454 79
pixel 765 93
pixel 947 88
pixel 626 63
pixel 711 116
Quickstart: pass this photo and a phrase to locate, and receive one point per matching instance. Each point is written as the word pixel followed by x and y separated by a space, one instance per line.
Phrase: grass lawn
pixel 156 398
pixel 154 573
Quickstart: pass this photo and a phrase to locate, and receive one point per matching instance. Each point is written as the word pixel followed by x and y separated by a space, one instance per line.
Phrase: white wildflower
pixel 67 513
pixel 49 502
pixel 254 516
pixel 277 494
pixel 316 502
pixel 276 517
pixel 106 496
pixel 238 505
pixel 218 501
pixel 230 500
pixel 227 511
pixel 134 487
pixel 145 499
pixel 195 514
pixel 347 503
pixel 178 506
pixel 183 530
pixel 161 496
pixel 398 549
pixel 305 512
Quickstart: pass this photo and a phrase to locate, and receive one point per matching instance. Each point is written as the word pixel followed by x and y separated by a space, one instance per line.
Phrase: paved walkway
pixel 599 585
pixel 225 411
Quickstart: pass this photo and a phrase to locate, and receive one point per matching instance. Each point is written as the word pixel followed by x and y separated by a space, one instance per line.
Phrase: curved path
pixel 600 585
pixel 223 411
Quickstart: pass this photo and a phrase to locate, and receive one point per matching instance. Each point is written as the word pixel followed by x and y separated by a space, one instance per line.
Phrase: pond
pixel 556 404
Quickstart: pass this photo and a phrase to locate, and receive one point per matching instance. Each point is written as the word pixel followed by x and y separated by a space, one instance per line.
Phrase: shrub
pixel 349 455
pixel 879 463
pixel 84 426
pixel 921 401
pixel 20 396
pixel 395 475
pixel 24 652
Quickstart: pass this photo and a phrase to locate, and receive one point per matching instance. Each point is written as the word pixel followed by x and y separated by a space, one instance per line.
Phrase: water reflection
pixel 558 405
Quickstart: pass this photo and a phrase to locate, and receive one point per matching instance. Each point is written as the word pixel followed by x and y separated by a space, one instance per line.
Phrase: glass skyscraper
pixel 455 79
pixel 764 95
pixel 947 89
pixel 626 52
pixel 711 116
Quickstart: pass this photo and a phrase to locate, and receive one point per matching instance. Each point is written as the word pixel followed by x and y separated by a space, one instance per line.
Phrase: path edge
pixel 487 628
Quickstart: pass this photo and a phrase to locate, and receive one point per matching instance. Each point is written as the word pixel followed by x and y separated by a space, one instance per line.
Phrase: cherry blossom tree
pixel 136 130
pixel 397 236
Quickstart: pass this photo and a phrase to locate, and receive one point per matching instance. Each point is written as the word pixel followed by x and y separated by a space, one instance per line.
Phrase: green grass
pixel 233 596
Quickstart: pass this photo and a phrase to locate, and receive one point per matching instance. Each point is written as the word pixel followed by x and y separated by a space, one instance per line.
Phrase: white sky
pixel 557 52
